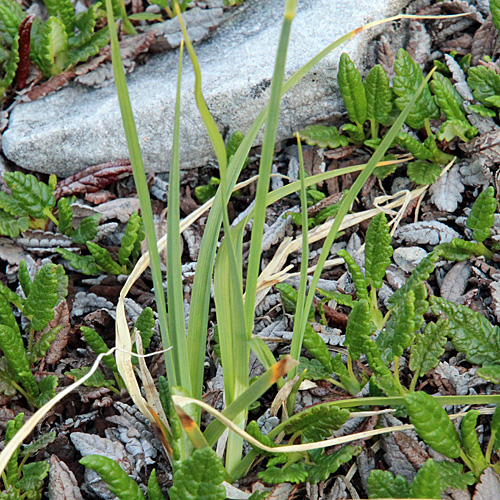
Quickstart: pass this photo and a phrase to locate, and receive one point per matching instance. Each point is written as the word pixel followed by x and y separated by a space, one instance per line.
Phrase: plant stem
pixel 414 381
pixel 397 381
pixel 467 461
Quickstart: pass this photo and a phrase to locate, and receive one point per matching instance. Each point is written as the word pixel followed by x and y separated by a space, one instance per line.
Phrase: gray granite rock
pixel 78 127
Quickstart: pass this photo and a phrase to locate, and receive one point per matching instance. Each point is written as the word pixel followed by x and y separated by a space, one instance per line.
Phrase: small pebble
pixel 407 258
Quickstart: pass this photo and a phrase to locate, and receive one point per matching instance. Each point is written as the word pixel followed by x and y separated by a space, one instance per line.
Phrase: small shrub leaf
pixel 145 324
pixel 323 136
pixel 33 476
pixel 326 465
pixel 490 373
pixel 423 172
pixel 103 259
pixel 482 215
pixel 428 348
pixel 11 226
pixel 471 444
pixel 84 263
pixel 24 277
pixel 414 147
pixel 451 474
pixel 427 482
pixel 359 328
pixel 382 484
pixel 129 239
pixel 294 473
pixel 495 13
pixel 97 344
pixel 432 424
pixel 378 250
pixel 352 90
pixel 378 95
pixel 154 490
pixel 87 230
pixel 356 274
pixel 323 417
pixel 448 98
pixel 97 379
pixel 317 347
pixel 456 128
pixel 484 82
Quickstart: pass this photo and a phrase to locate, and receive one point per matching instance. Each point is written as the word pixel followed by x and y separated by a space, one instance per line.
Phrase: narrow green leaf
pixel 414 146
pixel 129 239
pixel 471 333
pixel 448 99
pixel 97 344
pixel 24 277
pixel 103 259
pixel 356 274
pixel 407 80
pixel 40 303
pixel 84 263
pixel 359 328
pixel 145 324
pixel 39 444
pixel 427 482
pixel 316 346
pixel 12 471
pixel 42 345
pixel 459 250
pixel 323 136
pixel 378 250
pixel 378 95
pixel 199 476
pixel 87 230
pixel 432 424
pixel 495 428
pixel 471 444
pixel 482 215
pixel 65 217
pixel 154 490
pixel 352 89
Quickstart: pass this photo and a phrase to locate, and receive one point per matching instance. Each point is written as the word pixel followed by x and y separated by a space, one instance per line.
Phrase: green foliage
pixel 356 274
pixel 289 297
pixel 432 424
pixel 423 172
pixel 145 324
pixel 378 250
pixel 97 379
pixel 87 230
pixel 207 191
pixel 382 484
pixel 485 83
pixel 324 465
pixel 118 481
pixel 352 90
pixel 154 490
pixel 482 215
pixel 359 328
pixel 428 348
pixel 414 147
pixel 21 479
pixel 97 344
pixel 319 420
pixel 198 476
pixel 323 136
pixel 470 442
pixel 378 95
pixel 495 13
pixel 317 347
pixel 405 83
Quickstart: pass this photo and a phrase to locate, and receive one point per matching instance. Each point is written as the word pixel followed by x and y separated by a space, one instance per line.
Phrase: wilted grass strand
pixel 142 191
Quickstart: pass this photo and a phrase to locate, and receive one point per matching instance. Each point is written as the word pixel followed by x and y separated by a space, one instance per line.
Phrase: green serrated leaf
pixel 65 217
pixel 87 230
pixel 325 418
pixel 448 99
pixel 118 481
pixel 495 428
pixel 90 48
pixel 432 424
pixel 154 490
pixel 427 482
pixel 326 465
pixel 471 333
pixel 382 484
pixel 254 431
pixel 495 13
pixel 11 226
pixel 33 476
pixel 97 379
pixel 405 83
pixel 352 89
pixel 378 95
pixel 12 471
pixel 47 387
pixel 169 409
pixel 129 239
pixel 233 144
pixel 24 277
pixel 341 298
pixel 359 328
pixel 289 297
pixel 10 205
pixel 145 324
pixel 315 370
pixel 316 346
pixel 456 128
pixel 484 82
pixel 428 348
pixel 490 373
pixel 471 444
pixel 40 303
pixel 423 172
pixel 414 146
pixel 482 111
pixel 451 474
pixel 378 250
pixel 356 274
pixel 198 476
pixel 458 250
pixel 84 263
pixel 39 444
pixel 103 259
pixel 11 15
pixel 53 50
pixel 65 11
pixel 294 473
pixel 482 215
pixel 98 345
pixel 35 197
pixel 42 345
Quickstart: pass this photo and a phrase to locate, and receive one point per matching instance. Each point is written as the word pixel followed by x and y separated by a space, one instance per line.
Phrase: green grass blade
pixel 266 165
pixel 142 190
pixel 175 291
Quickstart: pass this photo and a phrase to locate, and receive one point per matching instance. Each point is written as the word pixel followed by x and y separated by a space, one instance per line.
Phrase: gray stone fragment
pixel 78 127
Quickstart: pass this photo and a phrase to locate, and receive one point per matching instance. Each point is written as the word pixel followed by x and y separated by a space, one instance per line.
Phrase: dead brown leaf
pixel 62 482
pixel 414 453
pixel 489 487
pixel 484 42
pixel 93 179
pixel 100 197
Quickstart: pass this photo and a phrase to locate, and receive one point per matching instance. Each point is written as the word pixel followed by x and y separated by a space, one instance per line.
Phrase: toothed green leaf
pixel 233 144
pixel 289 297
pixel 471 333
pixel 378 250
pixel 352 90
pixel 294 473
pixel 87 230
pixel 11 226
pixel 315 370
pixel 448 99
pixel 458 250
pixel 432 424
pixel 35 197
pixel 24 277
pixel 255 432
pixel 382 484
pixel 378 95
pixel 482 215
pixel 414 147
pixel 427 482
pixel 356 274
pixel 63 9
pixel 495 13
pixel 451 475
pixel 90 48
pixel 428 348
pixel 495 428
pixel 456 128
pixel 40 303
pixel 359 328
pixel 11 15
pixel 323 136
pixel 145 324
pixel 97 379
pixel 316 346
pixel 129 239
pixel 39 444
pixel 49 46
pixel 10 205
pixel 484 82
pixel 65 217
pixel 42 345
pixel 405 83
pixel 97 344
pixel 33 476
pixel 423 172
pixel 471 444
pixel 383 375
pixel 490 373
pixel 341 298
pixel 482 111
pixel 12 346
pixel 326 465
pixel 47 387
pixel 198 476
pixel 84 263
pixel 10 66
pixel 103 259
